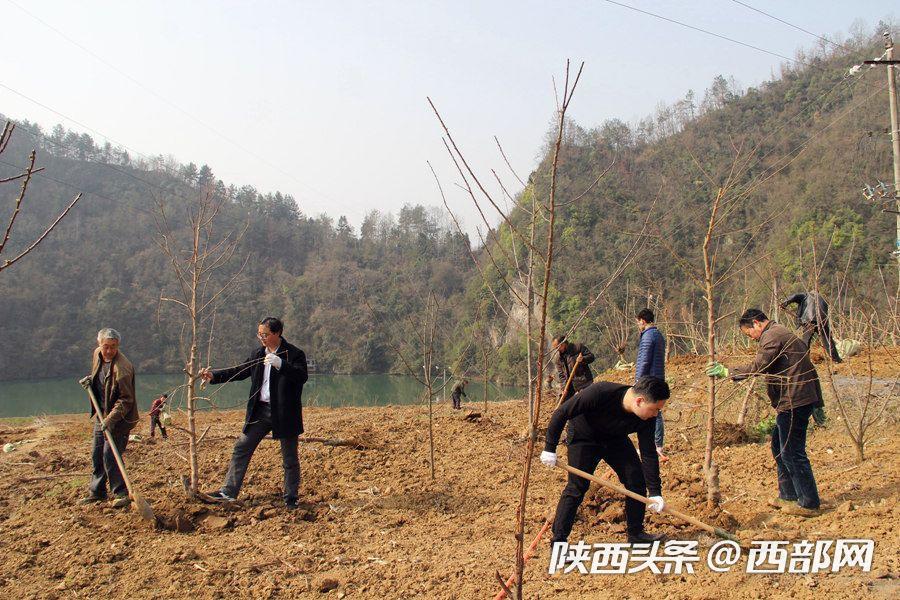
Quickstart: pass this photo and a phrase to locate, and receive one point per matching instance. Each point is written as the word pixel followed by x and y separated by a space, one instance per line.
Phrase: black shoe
pixel 220 496
pixel 644 538
pixel 291 504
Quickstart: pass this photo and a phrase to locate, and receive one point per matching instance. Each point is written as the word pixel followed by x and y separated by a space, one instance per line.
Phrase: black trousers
pixel 154 423
pixel 105 469
pixel 620 454
pixel 245 446
pixel 824 331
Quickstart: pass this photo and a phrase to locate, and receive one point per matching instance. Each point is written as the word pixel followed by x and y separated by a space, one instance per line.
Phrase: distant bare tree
pixel 423 331
pixel 861 403
pixel 614 323
pixel 710 270
pixel 197 254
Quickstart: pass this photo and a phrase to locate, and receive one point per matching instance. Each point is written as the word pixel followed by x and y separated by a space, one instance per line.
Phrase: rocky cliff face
pixel 516 324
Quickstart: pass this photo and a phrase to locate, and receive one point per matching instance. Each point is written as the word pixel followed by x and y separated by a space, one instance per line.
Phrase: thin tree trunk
pixel 528 326
pixel 485 376
pixel 434 318
pixel 192 424
pixel 548 272
pixel 711 470
pixel 193 360
pixel 429 338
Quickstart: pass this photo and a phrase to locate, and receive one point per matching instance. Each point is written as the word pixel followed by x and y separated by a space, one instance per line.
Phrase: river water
pixel 64 395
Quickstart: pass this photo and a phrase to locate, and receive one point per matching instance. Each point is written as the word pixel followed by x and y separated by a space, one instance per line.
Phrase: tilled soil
pixel 372 522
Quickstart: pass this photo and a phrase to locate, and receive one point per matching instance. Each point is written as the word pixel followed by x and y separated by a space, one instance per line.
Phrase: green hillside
pixel 802 146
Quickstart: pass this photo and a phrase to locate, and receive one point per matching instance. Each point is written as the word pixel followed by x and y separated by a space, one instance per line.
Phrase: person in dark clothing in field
pixel 277 372
pixel 599 418
pixel 812 317
pixel 459 390
pixel 567 353
pixel 651 360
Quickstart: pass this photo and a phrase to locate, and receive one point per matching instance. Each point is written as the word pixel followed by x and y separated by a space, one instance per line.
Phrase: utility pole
pixel 881 190
pixel 484 376
pixel 895 134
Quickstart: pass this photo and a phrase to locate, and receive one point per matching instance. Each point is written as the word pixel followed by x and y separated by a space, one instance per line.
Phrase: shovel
pixel 140 503
pixel 717 531
pixel 562 395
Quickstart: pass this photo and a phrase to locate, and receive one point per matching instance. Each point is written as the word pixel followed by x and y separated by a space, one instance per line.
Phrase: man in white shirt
pixel 277 372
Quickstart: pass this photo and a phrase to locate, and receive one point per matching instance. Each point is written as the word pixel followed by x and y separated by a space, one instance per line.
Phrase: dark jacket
pixel 565 362
pixel 811 307
pixel 459 390
pixel 651 358
pixel 783 358
pixel 285 387
pixel 596 414
pixel 115 394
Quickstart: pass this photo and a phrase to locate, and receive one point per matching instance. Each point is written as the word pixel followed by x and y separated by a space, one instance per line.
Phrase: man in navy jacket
pixel 277 372
pixel 651 360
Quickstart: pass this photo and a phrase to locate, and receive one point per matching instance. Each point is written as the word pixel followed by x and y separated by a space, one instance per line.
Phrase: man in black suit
pixel 277 372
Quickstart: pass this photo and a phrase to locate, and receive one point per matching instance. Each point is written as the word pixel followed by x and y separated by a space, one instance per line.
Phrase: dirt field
pixel 373 524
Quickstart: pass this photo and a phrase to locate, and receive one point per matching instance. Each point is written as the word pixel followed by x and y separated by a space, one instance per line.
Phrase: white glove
pixel 273 360
pixel 657 505
pixel 548 458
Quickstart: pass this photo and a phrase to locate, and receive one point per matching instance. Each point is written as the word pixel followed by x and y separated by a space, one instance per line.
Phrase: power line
pixel 150 160
pixel 801 147
pixel 71 120
pixel 71 186
pixel 40 137
pixel 706 31
pixel 146 157
pixel 797 27
pixel 811 103
pixel 196 119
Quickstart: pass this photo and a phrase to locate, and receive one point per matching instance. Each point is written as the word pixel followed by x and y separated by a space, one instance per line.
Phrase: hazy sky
pixel 326 100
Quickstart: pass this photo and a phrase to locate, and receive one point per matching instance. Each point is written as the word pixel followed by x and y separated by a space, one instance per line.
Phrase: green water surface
pixel 65 396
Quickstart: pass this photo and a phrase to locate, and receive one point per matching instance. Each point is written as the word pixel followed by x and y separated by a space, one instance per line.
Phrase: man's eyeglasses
pixel 263 336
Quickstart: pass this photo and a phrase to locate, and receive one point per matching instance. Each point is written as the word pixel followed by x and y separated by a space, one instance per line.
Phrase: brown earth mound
pixel 373 524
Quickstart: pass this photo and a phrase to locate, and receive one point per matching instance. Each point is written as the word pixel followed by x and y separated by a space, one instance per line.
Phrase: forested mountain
pixel 102 266
pixel 793 156
pixel 799 149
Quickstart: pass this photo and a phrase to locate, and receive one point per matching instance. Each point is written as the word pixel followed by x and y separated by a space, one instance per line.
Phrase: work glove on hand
pixel 273 360
pixel 548 458
pixel 717 370
pixel 657 505
pixel 104 425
